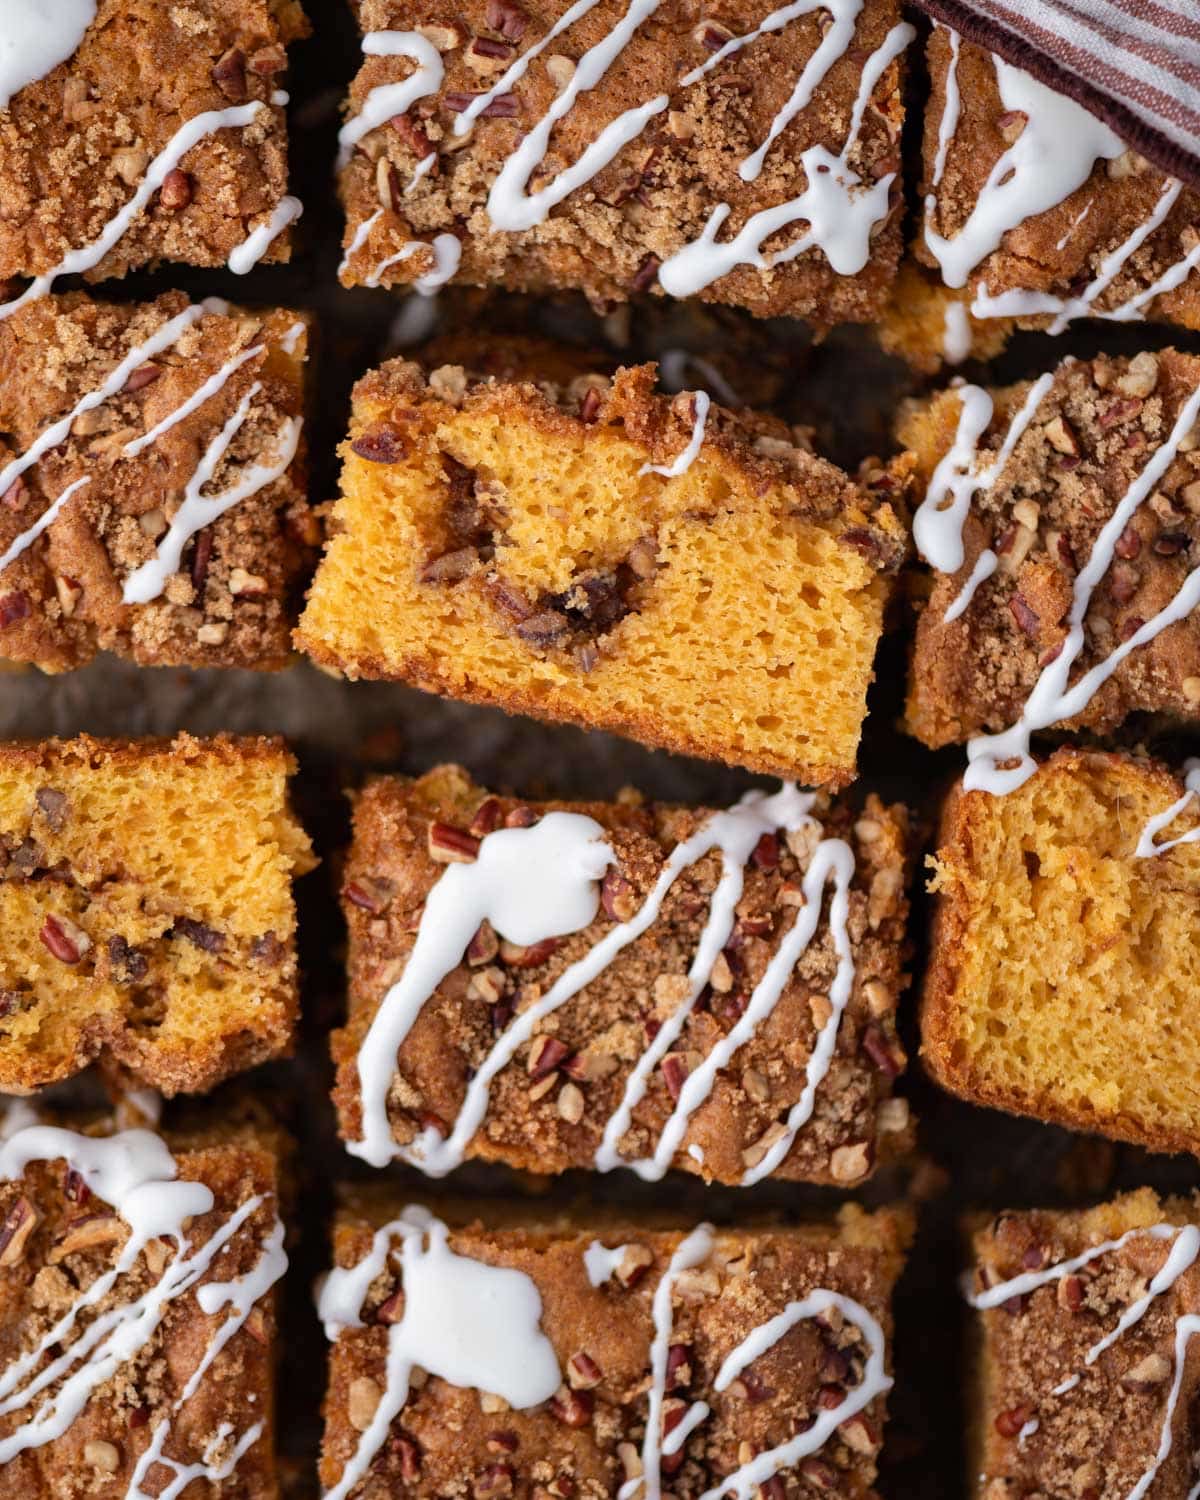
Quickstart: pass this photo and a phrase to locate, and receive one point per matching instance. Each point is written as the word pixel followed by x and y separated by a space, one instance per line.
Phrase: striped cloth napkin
pixel 1134 63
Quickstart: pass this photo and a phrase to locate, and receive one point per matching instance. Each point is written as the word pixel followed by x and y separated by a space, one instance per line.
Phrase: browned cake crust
pixel 1002 1025
pixel 1096 429
pixel 549 1106
pixel 587 1440
pixel 232 600
pixel 471 614
pixel 75 145
pixel 1100 1437
pixel 610 235
pixel 74 1240
pixel 146 915
pixel 1057 251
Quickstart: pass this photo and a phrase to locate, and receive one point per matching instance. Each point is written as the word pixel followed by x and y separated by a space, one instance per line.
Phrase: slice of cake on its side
pixel 1061 526
pixel 1086 1383
pixel 137 1310
pixel 1062 978
pixel 558 985
pixel 153 479
pixel 750 157
pixel 138 131
pixel 1036 215
pixel 612 558
pixel 593 1356
pixel 146 914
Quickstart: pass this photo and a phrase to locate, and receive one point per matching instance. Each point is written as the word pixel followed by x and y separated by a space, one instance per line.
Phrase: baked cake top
pixel 752 159
pixel 133 131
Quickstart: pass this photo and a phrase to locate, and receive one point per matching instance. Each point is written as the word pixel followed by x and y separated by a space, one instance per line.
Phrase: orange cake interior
pixel 1065 969
pixel 146 913
pixel 505 543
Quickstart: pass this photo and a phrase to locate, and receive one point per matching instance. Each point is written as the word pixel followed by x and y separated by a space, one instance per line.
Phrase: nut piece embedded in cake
pixel 146 914
pixel 152 482
pixel 519 1358
pixel 1062 952
pixel 1087 1382
pixel 622 151
pixel 103 169
pixel 1036 215
pixel 598 554
pixel 1074 498
pixel 581 994
pixel 138 1349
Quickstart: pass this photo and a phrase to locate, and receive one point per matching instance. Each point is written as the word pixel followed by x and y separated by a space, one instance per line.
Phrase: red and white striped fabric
pixel 1134 63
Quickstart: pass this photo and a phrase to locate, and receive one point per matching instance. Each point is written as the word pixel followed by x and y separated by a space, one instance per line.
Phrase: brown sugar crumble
pixel 75 146
pixel 231 598
pixel 590 1437
pixel 548 1108
pixel 1099 426
pixel 420 197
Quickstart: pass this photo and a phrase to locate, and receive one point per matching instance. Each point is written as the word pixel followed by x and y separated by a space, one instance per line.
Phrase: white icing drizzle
pixel 530 884
pixel 208 509
pixel 1051 158
pixel 197 510
pixel 447 252
pixel 940 518
pixel 35 38
pixel 985 565
pixel 1146 846
pixel 838 207
pixel 600 1262
pixel 744 1481
pixel 472 1324
pixel 1053 698
pixel 358 240
pixel 390 99
pixel 680 465
pixel 189 134
pixel 692 1251
pixel 1182 1255
pixel 135 1173
pixel 256 244
pixel 415 322
pixel 956 334
pixel 673 365
pixel 541 882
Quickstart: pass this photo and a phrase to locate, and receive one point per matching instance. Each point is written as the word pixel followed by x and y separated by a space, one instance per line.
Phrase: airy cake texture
pixel 704 155
pixel 801 1084
pixel 184 86
pixel 128 1367
pixel 511 544
pixel 146 913
pixel 1086 1380
pixel 152 482
pixel 1072 498
pixel 602 1339
pixel 1063 967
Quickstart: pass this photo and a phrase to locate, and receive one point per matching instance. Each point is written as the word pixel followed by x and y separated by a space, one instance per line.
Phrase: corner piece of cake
pixel 749 157
pixel 153 482
pixel 137 1309
pixel 599 554
pixel 1061 981
pixel 605 985
pixel 591 1356
pixel 146 914
pixel 138 131
pixel 1087 1380
pixel 1061 526
pixel 1036 215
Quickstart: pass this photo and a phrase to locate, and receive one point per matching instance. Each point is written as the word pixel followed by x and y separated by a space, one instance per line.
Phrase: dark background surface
pixel 969 1159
